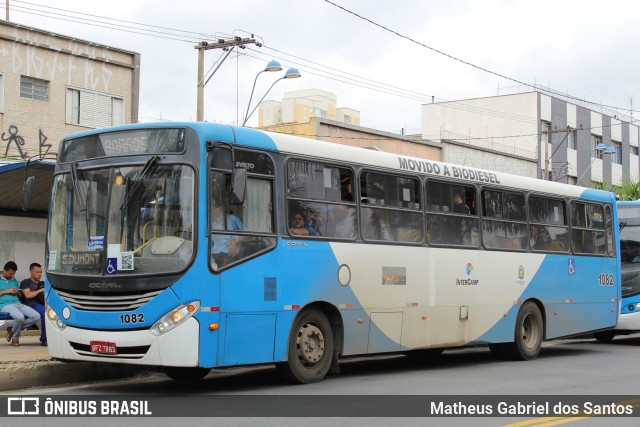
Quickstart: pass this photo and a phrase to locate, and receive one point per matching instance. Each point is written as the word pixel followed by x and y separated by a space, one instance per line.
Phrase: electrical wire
pixel 355 80
pixel 486 70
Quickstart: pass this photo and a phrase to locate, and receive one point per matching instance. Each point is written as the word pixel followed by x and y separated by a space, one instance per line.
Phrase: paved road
pixel 572 367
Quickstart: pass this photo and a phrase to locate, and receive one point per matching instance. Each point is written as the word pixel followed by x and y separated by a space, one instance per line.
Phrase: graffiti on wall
pixel 16 141
pixel 30 60
pixel 14 138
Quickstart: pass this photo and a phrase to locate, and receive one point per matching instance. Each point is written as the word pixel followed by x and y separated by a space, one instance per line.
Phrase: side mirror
pixel 27 192
pixel 238 186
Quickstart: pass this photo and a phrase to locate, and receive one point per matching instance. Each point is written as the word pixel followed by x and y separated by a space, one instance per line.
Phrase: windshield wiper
pixel 622 225
pixel 148 166
pixel 75 180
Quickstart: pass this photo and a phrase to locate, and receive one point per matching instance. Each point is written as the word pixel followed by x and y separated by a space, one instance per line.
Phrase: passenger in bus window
pixel 380 227
pixel 224 245
pixel 300 227
pixel 341 219
pixel 459 206
pixel 346 189
pixel 539 238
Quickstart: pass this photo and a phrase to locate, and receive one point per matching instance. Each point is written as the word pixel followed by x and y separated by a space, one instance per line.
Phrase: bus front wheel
pixel 186 374
pixel 528 335
pixel 310 349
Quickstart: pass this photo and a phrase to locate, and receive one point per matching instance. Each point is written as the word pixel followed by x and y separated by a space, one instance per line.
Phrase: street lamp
pixel 601 149
pixel 292 73
pixel 272 66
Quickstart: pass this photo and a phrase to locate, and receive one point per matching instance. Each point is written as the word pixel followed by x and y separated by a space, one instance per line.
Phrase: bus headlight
pixel 175 318
pixel 55 319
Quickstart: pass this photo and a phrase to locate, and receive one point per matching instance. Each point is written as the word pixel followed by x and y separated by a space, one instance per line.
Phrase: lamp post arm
pixel 587 168
pixel 262 99
pixel 251 96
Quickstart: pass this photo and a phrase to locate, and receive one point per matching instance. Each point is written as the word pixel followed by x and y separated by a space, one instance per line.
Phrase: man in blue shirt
pixel 224 245
pixel 33 292
pixel 23 315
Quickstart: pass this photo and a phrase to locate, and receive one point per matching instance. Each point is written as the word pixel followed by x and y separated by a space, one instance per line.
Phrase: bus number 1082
pixel 605 279
pixel 132 318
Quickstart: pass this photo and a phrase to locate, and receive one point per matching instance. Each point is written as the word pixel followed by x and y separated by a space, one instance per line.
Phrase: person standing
pixel 33 292
pixel 10 292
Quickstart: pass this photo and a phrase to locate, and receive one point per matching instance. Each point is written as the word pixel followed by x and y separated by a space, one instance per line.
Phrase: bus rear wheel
pixel 529 334
pixel 310 349
pixel 186 374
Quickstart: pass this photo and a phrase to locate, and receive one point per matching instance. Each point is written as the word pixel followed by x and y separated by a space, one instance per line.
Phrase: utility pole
pixel 545 176
pixel 6 6
pixel 226 44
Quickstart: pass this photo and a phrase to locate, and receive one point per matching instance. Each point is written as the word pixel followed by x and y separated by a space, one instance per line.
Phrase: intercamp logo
pixel 23 406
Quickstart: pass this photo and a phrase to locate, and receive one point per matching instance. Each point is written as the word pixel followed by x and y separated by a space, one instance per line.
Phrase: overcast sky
pixel 588 48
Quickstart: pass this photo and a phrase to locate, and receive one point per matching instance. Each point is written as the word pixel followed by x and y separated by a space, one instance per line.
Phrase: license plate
pixel 103 347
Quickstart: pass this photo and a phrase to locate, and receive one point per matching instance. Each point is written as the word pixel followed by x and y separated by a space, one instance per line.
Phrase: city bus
pixel 192 246
pixel 629 227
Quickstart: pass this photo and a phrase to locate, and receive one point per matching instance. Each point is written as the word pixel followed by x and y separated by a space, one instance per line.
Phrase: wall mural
pixel 13 138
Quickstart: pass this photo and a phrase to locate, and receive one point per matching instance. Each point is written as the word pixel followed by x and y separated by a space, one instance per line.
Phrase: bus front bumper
pixel 178 347
pixel 629 322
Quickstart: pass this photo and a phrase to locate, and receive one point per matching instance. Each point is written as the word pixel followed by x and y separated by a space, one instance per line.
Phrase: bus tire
pixel 310 349
pixel 529 333
pixel 604 336
pixel 186 374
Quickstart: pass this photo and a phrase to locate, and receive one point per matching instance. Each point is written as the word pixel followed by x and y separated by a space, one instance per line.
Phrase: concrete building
pixel 528 132
pixel 358 136
pixel 301 105
pixel 51 85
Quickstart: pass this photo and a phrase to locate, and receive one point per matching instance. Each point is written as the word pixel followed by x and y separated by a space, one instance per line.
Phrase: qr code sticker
pixel 126 261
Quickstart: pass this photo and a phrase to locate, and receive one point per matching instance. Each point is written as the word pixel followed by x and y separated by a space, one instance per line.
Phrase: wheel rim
pixel 310 344
pixel 530 333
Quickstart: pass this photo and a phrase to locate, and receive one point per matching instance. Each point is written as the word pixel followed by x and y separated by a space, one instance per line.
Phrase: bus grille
pixel 137 352
pixel 106 302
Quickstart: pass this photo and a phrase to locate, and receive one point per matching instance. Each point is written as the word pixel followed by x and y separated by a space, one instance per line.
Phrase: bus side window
pixel 322 195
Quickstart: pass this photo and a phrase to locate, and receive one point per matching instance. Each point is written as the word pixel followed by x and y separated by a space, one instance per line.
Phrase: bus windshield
pixel 630 256
pixel 122 221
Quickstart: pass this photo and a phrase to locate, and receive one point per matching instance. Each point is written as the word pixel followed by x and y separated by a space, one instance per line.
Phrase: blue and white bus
pixel 191 246
pixel 629 227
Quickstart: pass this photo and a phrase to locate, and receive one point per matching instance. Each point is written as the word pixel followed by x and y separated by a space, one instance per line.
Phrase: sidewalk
pixel 29 365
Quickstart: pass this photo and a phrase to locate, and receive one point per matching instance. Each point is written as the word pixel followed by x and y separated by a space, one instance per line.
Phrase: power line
pixel 193 33
pixel 355 80
pixel 486 70
pixel 404 93
pixel 53 15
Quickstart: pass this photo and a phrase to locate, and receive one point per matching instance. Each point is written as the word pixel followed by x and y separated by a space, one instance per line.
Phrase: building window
pixel 595 141
pixel 545 127
pixel 572 139
pixel 94 109
pixel 34 88
pixel 633 151
pixel 617 157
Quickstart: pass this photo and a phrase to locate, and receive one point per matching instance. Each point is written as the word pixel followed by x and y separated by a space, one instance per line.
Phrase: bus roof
pixel 291 144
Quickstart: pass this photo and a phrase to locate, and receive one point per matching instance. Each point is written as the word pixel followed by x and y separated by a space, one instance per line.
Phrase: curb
pixel 45 372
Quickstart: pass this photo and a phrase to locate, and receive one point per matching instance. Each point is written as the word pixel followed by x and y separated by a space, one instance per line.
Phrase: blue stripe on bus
pixel 554 287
